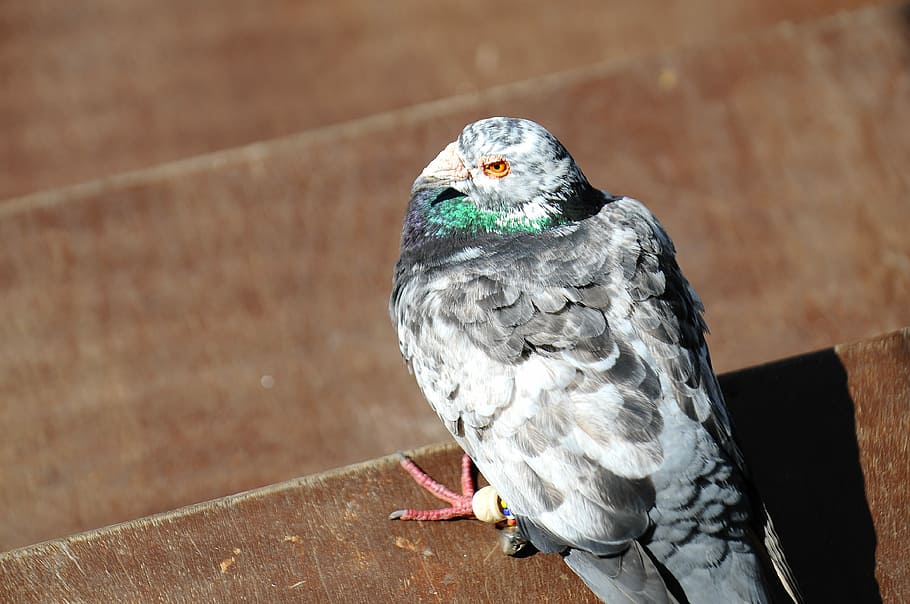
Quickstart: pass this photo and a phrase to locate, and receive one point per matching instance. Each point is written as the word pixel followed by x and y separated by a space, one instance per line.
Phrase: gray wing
pixel 614 281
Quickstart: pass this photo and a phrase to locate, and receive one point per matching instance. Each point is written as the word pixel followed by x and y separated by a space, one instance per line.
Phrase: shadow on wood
pixel 794 421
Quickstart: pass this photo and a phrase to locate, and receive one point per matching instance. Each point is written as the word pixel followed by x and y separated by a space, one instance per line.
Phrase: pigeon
pixel 550 328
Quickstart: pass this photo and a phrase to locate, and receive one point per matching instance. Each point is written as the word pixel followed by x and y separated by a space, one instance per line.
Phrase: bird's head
pixel 502 176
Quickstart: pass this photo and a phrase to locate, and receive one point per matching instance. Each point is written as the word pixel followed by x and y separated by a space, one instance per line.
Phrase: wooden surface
pixel 325 538
pixel 220 324
pixel 879 382
pixel 821 432
pixel 104 86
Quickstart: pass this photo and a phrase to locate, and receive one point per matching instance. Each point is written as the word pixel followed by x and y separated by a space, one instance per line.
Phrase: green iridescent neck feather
pixel 458 214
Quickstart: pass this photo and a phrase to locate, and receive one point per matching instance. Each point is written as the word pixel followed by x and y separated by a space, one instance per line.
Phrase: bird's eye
pixel 497 168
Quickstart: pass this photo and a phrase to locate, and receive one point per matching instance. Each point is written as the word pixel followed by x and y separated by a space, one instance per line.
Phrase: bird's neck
pixel 460 214
pixel 438 229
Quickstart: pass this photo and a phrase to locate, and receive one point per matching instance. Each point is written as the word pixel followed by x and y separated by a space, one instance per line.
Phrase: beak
pixel 446 167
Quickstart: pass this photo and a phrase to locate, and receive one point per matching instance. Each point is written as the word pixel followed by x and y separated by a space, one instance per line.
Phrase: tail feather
pixel 627 578
pixel 778 560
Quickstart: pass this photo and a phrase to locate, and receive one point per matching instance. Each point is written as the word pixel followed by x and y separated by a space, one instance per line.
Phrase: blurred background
pixel 200 207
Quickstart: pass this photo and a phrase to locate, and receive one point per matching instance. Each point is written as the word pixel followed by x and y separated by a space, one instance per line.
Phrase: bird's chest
pixel 465 387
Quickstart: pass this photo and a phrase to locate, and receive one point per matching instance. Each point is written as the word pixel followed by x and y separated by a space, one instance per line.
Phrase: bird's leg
pixel 460 505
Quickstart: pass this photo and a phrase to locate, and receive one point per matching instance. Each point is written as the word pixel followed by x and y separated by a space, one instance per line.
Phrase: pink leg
pixel 460 504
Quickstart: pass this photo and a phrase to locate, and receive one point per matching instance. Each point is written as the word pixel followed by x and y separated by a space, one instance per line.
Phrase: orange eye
pixel 497 168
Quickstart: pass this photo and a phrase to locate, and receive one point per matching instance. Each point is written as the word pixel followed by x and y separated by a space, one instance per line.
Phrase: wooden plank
pixel 326 537
pixel 879 381
pixel 221 324
pixel 320 539
pixel 165 82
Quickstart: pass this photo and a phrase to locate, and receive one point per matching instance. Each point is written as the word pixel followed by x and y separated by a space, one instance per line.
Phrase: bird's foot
pixel 460 505
pixel 484 504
